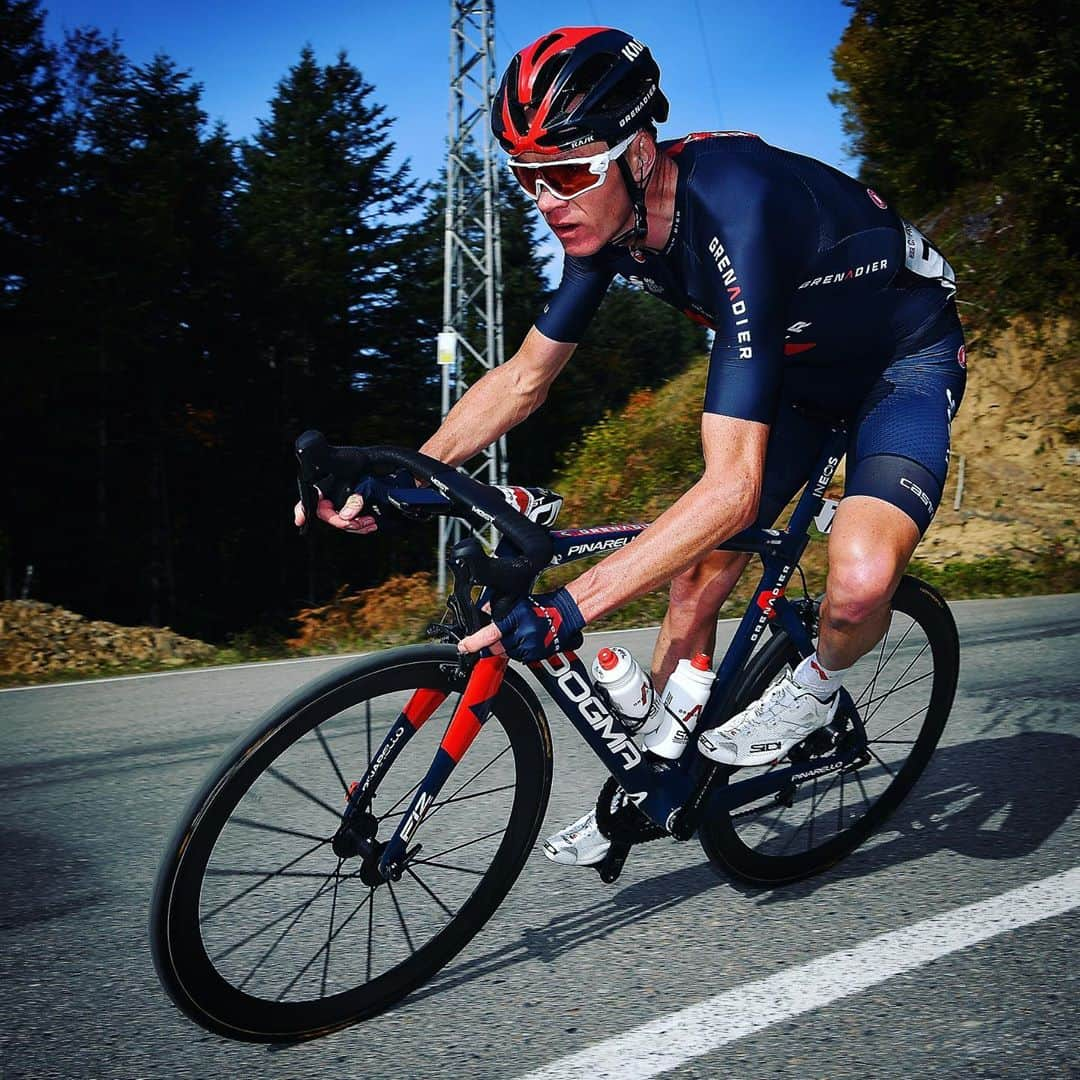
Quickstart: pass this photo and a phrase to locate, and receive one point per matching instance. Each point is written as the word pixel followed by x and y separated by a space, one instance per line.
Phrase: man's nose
pixel 546 201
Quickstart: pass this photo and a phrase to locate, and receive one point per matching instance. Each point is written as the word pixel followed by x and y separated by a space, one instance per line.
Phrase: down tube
pixel 657 791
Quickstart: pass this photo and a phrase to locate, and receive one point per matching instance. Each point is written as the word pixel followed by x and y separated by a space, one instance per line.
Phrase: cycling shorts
pixel 898 434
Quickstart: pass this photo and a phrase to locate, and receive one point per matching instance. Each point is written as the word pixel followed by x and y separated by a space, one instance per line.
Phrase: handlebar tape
pixel 479 503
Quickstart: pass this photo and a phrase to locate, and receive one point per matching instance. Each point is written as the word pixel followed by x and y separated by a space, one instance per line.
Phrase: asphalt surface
pixel 95 775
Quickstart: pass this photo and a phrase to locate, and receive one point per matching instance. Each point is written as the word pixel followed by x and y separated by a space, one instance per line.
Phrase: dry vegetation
pixel 1014 531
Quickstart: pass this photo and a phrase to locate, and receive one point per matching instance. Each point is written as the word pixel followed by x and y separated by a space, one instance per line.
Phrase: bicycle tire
pixel 737 842
pixel 204 980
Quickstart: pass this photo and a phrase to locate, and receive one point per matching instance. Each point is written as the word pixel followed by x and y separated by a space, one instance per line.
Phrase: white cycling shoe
pixel 784 715
pixel 580 844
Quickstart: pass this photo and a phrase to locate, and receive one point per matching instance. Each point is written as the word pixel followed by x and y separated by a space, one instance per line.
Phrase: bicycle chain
pixel 621 821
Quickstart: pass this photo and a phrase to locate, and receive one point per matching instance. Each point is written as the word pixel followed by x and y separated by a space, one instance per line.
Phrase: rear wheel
pixel 902 690
pixel 260 931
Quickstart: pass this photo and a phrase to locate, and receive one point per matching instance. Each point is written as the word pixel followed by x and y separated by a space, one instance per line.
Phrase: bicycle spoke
pixel 468 843
pixel 448 866
pixel 367 719
pixel 881 652
pixel 222 873
pixel 401 918
pixel 896 685
pixel 301 790
pixel 304 908
pixel 862 788
pixel 251 888
pixel 474 795
pixel 325 887
pixel 881 763
pixel 881 738
pixel 330 757
pixel 345 922
pixel 330 935
pixel 476 775
pixel 420 881
pixel 250 823
pixel 902 686
pixel 370 925
pixel 408 794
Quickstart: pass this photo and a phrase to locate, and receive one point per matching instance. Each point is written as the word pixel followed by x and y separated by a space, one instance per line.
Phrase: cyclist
pixel 824 303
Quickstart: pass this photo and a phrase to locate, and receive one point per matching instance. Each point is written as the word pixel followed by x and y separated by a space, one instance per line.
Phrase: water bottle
pixel 684 697
pixel 628 688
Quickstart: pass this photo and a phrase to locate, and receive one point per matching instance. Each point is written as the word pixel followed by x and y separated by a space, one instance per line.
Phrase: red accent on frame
pixel 475 702
pixel 766 598
pixel 421 706
pixel 793 348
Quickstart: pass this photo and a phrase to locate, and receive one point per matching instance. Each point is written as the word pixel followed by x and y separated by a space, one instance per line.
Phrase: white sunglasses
pixel 569 178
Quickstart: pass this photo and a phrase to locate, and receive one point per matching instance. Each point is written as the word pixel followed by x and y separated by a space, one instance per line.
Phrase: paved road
pixel 94 775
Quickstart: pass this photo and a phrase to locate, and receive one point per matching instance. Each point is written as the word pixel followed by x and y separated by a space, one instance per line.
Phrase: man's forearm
pixel 490 408
pixel 702 518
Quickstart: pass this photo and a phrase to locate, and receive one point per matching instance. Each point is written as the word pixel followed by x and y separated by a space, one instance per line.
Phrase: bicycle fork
pixel 356 835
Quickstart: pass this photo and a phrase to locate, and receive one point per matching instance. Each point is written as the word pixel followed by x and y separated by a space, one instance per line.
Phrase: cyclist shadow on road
pixel 988 799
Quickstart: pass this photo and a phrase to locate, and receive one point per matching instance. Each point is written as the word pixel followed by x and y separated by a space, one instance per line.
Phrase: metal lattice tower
pixel 472 338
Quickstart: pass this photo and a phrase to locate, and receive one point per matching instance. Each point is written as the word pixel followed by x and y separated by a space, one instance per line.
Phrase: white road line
pixel 672 1040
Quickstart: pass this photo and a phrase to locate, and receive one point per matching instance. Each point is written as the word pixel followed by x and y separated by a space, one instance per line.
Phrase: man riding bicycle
pixel 825 305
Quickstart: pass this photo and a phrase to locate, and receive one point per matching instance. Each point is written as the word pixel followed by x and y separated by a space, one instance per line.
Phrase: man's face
pixel 585 224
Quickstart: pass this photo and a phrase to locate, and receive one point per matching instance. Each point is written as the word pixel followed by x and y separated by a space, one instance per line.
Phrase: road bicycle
pixel 358 837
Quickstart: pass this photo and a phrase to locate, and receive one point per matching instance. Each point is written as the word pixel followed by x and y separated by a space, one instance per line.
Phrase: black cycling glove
pixel 540 626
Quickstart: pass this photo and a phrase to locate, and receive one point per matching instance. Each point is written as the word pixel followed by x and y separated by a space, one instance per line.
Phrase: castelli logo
pixel 876 199
pixel 961 356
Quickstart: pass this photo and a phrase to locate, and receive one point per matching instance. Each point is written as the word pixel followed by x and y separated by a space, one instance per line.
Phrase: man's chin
pixel 579 243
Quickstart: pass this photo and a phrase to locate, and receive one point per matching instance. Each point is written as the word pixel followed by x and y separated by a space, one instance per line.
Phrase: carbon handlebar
pixel 475 502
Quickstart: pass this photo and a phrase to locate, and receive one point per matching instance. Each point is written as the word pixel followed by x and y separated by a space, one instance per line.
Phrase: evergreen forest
pixel 177 306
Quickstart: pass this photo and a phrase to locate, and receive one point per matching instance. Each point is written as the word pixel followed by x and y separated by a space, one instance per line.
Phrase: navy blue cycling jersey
pixel 807 277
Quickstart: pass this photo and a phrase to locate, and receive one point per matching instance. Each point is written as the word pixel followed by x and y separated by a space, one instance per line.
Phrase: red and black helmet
pixel 576 85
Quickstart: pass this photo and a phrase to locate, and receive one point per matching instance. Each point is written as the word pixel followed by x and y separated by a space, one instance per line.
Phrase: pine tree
pixel 34 148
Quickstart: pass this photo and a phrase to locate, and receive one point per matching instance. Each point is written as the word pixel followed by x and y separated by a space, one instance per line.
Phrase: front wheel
pixel 903 691
pixel 260 931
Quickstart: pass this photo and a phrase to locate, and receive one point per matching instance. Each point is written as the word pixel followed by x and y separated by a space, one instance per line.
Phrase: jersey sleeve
pixel 753 246
pixel 573 304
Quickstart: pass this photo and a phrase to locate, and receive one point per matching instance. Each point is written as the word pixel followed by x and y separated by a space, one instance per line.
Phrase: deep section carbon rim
pixel 271 934
pixel 902 690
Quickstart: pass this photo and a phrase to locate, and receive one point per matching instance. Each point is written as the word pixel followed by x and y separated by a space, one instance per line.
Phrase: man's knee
pixel 862 580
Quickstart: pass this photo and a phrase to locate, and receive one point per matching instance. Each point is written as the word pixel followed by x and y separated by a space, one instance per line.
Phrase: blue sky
pixel 762 67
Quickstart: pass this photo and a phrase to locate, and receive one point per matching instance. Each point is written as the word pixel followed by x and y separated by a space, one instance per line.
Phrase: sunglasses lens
pixel 565 180
pixel 526 178
pixel 569 180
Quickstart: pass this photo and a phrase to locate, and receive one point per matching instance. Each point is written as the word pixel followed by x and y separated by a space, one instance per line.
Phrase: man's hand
pixel 534 628
pixel 348 518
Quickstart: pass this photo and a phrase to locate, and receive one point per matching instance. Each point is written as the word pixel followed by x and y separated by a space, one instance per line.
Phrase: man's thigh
pixel 898 447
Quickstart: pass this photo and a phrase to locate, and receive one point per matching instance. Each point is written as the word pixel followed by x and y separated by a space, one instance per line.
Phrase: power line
pixel 708 63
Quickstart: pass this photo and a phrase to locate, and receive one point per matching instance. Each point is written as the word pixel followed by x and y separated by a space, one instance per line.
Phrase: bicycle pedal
pixel 610 866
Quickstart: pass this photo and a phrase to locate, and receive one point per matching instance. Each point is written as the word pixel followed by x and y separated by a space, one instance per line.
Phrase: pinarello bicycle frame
pixel 672 794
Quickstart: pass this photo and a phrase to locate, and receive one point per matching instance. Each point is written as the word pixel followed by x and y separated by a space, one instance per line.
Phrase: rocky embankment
pixel 38 639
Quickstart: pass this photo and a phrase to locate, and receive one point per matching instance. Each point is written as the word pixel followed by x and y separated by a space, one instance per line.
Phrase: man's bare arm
pixel 724 501
pixel 500 400
pixel 493 405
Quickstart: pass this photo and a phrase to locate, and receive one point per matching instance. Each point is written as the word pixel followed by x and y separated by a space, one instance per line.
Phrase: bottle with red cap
pixel 628 688
pixel 680 708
